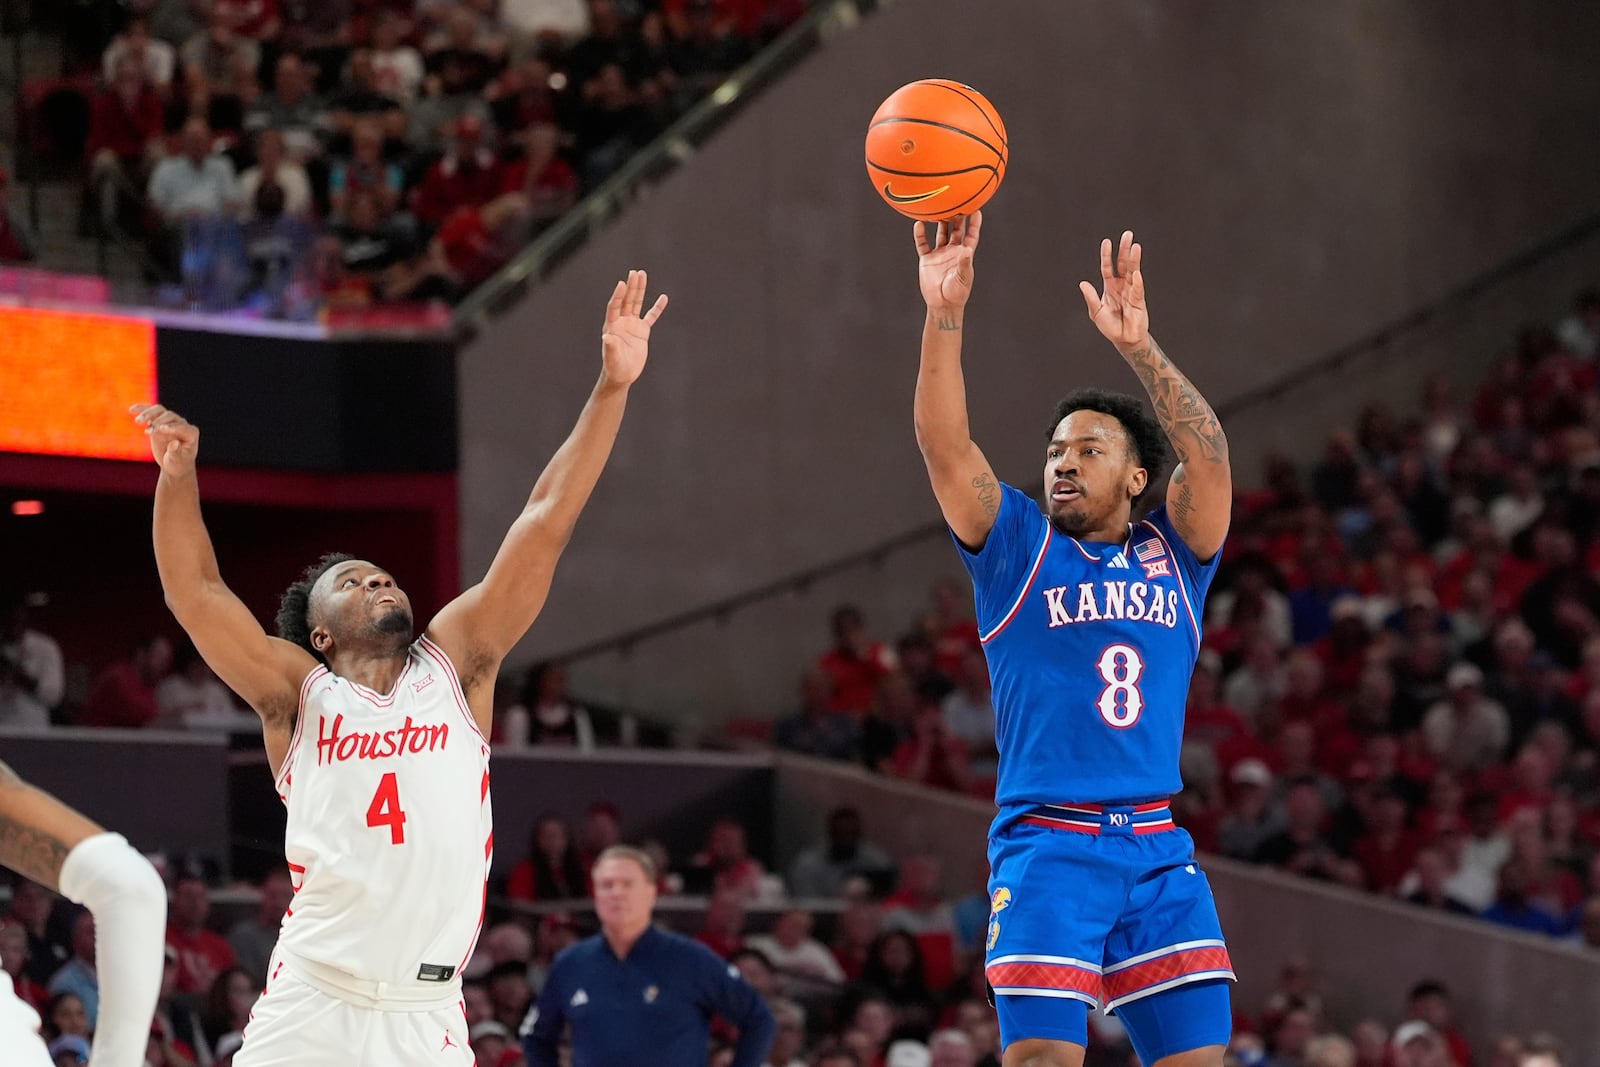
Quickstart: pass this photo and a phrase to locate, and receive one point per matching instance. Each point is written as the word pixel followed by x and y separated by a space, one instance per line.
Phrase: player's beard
pixel 1072 520
pixel 394 625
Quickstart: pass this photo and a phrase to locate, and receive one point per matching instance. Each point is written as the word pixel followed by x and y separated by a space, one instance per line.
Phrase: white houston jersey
pixel 389 835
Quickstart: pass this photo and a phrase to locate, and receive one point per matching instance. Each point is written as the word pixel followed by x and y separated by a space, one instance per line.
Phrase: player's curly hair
pixel 294 609
pixel 1149 441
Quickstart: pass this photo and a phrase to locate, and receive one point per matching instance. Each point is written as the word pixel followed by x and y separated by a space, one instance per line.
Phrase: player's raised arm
pixel 962 479
pixel 479 627
pixel 265 671
pixel 1200 494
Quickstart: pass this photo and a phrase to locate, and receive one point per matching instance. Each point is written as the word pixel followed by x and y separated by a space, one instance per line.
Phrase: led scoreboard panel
pixel 67 378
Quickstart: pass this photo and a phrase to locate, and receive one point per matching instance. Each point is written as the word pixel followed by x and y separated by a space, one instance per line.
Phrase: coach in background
pixel 634 994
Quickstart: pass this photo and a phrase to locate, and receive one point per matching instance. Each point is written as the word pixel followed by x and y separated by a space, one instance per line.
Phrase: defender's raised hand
pixel 174 441
pixel 944 268
pixel 1119 309
pixel 625 337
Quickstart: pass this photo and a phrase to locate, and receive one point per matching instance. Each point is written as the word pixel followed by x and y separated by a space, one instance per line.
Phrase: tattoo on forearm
pixel 29 851
pixel 1190 423
pixel 988 494
pixel 947 323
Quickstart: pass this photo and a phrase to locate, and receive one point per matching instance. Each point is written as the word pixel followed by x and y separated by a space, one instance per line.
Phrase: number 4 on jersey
pixel 385 809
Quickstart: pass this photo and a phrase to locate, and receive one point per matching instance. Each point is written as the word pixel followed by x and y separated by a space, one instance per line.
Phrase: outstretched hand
pixel 944 268
pixel 174 441
pixel 1119 310
pixel 625 337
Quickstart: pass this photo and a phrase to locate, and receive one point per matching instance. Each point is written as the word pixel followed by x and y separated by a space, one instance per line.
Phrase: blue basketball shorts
pixel 1095 905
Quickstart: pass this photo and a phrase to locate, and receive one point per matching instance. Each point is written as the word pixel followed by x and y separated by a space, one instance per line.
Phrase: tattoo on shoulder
pixel 948 324
pixel 988 494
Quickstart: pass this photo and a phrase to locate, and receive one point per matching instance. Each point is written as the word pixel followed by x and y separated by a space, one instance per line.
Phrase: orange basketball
pixel 936 149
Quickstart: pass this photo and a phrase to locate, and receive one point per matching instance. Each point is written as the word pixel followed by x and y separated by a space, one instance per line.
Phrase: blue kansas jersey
pixel 1090 647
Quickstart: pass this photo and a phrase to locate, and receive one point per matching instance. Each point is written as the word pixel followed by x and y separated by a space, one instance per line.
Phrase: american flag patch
pixel 1148 550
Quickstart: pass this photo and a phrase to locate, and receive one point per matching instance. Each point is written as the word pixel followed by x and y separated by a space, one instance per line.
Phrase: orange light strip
pixel 66 380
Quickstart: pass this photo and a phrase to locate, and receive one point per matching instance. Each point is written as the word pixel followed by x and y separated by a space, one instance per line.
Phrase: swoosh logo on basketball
pixel 917 199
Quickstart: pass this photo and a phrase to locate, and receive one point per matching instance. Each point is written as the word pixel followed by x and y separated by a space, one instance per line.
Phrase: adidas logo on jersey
pixel 579 999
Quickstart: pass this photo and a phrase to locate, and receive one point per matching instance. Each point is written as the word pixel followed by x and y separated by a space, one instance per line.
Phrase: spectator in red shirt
pixel 1388 848
pixel 950 625
pixel 523 95
pixel 723 929
pixel 552 870
pixel 856 662
pixel 477 240
pixel 541 175
pixel 203 954
pixel 858 927
pixel 726 864
pixel 468 175
pixel 126 121
pixel 125 692
pixel 1430 1001
pixel 13 957
pixel 602 828
pixel 1532 775
pixel 932 756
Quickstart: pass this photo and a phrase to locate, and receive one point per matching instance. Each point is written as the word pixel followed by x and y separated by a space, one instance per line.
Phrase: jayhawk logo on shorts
pixel 1000 901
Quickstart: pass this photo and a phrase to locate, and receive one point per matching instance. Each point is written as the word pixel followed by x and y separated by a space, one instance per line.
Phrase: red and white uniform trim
pixel 1033 975
pixel 1175 965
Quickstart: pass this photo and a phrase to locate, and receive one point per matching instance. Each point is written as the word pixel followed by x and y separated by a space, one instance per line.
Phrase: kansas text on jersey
pixel 1090 650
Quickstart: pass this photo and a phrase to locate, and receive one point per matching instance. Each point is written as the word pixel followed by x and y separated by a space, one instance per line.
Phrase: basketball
pixel 936 149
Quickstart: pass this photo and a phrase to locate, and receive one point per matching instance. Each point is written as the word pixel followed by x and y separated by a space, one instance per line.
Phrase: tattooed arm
pixel 37 830
pixel 46 841
pixel 963 482
pixel 1200 494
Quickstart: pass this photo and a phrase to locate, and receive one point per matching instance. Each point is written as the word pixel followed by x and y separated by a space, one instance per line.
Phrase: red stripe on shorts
pixel 1164 969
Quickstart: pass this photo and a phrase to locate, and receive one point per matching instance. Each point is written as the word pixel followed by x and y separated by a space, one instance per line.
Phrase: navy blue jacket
pixel 654 1006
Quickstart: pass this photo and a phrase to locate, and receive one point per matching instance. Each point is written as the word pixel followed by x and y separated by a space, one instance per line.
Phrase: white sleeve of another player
pixel 129 904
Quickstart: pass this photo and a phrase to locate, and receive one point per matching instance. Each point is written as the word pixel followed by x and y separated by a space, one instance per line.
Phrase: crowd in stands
pixel 1399 683
pixel 280 156
pixel 866 960
pixel 159 685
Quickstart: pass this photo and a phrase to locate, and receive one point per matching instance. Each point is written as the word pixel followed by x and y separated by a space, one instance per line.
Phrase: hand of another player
pixel 625 337
pixel 944 268
pixel 1119 310
pixel 174 441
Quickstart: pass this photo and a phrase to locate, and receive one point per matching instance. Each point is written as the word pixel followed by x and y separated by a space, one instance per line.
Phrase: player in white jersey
pixel 376 742
pixel 43 839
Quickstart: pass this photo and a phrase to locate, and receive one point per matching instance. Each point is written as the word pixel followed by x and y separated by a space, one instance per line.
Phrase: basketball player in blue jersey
pixel 1091 624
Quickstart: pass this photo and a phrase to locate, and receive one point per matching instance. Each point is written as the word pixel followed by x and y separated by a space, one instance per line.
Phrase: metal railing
pixel 677 144
pixel 874 555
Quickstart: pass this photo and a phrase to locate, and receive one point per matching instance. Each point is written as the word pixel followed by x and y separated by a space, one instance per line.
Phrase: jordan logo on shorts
pixel 448 1043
